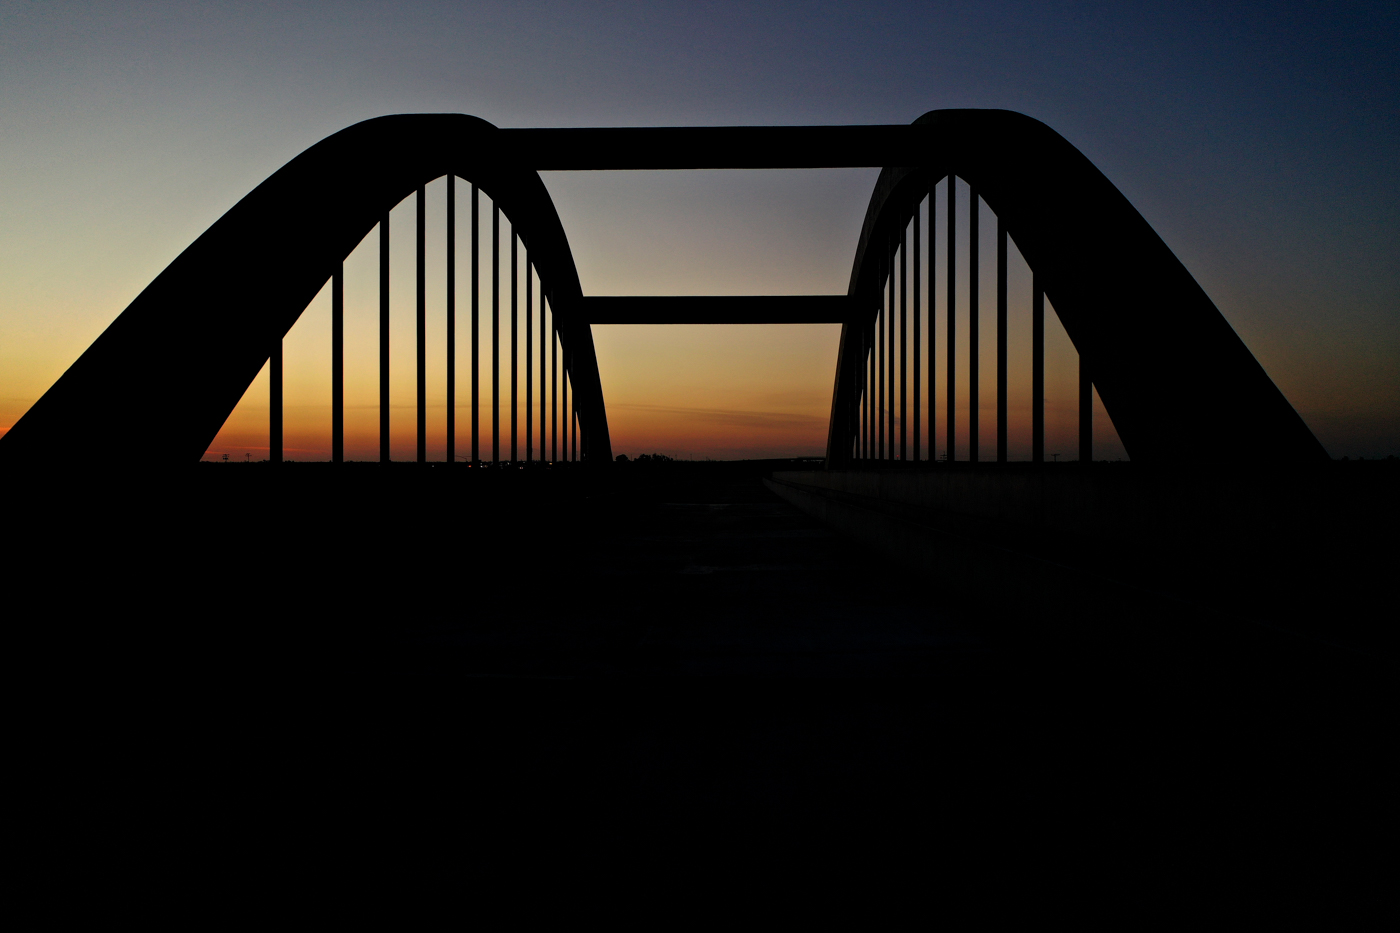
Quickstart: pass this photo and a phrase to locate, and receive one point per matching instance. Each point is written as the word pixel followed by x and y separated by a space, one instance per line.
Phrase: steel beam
pixel 710 147
pixel 718 309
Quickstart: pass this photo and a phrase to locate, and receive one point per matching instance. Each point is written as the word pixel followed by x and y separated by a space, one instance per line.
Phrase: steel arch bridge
pixel 1168 367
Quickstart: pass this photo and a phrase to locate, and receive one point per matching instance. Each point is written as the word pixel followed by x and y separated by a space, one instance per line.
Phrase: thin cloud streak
pixel 752 419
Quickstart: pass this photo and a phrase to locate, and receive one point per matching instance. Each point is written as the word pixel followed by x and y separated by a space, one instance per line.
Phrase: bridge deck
pixel 713 657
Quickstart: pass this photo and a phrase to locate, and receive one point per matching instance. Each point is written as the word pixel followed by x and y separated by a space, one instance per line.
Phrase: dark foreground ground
pixel 469 675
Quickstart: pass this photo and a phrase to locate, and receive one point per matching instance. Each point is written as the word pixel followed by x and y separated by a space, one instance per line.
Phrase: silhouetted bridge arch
pixel 1168 367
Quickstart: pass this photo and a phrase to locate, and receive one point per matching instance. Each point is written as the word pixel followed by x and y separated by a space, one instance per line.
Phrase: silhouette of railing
pixel 1169 369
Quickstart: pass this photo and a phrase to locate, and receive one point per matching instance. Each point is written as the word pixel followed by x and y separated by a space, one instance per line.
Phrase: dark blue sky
pixel 1260 140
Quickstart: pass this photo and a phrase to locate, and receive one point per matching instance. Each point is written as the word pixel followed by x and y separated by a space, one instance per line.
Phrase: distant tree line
pixel 653 458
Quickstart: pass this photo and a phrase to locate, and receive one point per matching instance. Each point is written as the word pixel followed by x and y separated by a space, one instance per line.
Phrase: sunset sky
pixel 1259 140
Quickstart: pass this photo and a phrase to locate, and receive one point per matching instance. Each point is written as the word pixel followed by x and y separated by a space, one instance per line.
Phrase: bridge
pixel 1168 367
pixel 861 637
pixel 1182 391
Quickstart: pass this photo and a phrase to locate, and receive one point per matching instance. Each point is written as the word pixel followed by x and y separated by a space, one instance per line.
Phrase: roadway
pixel 409 644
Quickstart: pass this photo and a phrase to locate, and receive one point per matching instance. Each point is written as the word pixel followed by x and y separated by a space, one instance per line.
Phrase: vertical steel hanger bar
pixel 544 436
pixel 476 326
pixel 857 379
pixel 880 397
pixel 1001 342
pixel 553 385
pixel 890 359
pixel 338 364
pixel 871 428
pixel 274 401
pixel 918 337
pixel 952 316
pixel 529 360
pixel 514 345
pixel 933 322
pixel 384 338
pixel 903 344
pixel 451 317
pixel 1086 411
pixel 860 402
pixel 974 269
pixel 853 451
pixel 863 393
pixel 862 397
pixel 1037 370
pixel 422 324
pixel 495 333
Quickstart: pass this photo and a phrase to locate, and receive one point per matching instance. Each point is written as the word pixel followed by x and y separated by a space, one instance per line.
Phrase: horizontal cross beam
pixel 722 309
pixel 715 147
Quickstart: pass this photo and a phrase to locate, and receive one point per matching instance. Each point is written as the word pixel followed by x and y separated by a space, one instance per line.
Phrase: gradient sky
pixel 1260 140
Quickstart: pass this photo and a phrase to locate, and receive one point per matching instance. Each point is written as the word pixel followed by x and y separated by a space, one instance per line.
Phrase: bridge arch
pixel 1171 372
pixel 165 375
pixel 1173 375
